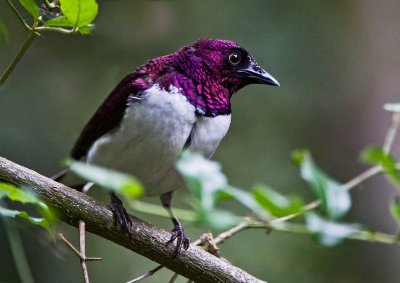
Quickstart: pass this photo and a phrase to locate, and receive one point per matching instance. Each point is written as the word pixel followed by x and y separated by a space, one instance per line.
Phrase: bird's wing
pixel 109 114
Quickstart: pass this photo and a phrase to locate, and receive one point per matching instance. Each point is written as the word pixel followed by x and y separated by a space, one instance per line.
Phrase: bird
pixel 171 103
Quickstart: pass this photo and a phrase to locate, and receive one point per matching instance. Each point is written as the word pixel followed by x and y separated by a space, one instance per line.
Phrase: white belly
pixel 151 135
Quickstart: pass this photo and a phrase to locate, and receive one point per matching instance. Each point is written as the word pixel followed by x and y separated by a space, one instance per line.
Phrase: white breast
pixel 149 139
pixel 151 135
pixel 208 132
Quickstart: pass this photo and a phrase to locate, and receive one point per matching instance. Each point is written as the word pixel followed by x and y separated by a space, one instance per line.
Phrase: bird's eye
pixel 235 58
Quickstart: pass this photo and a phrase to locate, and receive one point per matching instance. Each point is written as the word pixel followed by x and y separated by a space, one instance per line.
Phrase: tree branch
pixel 145 239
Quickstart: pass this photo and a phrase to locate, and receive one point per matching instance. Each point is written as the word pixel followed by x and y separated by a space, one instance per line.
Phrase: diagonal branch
pixel 145 239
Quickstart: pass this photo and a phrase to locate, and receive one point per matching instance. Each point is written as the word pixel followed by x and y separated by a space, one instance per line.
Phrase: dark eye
pixel 234 58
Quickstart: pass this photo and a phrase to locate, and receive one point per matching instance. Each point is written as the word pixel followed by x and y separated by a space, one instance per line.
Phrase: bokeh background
pixel 337 62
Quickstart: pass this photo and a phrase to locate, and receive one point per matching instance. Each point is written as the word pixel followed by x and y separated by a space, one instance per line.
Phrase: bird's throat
pixel 210 99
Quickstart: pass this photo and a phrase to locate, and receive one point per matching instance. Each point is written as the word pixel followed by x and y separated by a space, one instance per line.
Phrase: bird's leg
pixel 120 214
pixel 177 232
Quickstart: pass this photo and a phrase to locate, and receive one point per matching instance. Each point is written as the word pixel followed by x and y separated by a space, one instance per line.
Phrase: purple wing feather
pixel 109 114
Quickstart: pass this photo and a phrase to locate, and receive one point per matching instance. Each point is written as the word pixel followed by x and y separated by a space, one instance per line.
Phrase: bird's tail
pixel 60 175
pixel 71 180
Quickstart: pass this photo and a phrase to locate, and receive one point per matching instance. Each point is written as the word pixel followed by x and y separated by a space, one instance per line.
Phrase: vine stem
pixel 19 16
pixel 17 58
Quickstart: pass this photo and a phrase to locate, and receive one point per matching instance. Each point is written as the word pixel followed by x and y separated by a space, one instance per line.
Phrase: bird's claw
pixel 182 241
pixel 121 217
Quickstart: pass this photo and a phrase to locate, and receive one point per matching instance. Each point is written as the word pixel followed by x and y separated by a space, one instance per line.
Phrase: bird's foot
pixel 182 241
pixel 121 217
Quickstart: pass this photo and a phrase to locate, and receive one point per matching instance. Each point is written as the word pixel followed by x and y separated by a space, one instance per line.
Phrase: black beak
pixel 258 75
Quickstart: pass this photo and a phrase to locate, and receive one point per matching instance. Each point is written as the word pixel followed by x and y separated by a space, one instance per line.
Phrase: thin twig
pixel 212 246
pixel 391 133
pixel 389 139
pixel 82 248
pixel 56 29
pixel 369 173
pixel 275 223
pixel 82 239
pixel 229 233
pixel 71 246
pixel 68 243
pixel 147 274
pixel 361 235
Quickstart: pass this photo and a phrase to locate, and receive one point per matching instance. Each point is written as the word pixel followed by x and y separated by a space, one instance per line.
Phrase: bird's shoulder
pixel 110 112
pixel 158 71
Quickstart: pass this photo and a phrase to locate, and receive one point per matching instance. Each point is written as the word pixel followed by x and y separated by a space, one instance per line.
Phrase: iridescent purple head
pixel 208 72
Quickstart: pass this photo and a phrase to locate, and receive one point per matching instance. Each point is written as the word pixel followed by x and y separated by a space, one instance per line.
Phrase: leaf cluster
pixel 66 16
pixel 25 197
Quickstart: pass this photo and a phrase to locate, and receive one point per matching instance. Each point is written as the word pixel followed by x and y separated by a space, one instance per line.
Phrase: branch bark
pixel 145 239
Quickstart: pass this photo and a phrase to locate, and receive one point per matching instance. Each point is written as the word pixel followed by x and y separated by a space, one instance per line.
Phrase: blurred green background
pixel 337 62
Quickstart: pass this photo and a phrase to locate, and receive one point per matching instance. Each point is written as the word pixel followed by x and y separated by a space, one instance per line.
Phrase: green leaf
pixel 275 203
pixel 86 30
pixel 392 107
pixel 204 178
pixel 79 12
pixel 61 21
pixel 334 198
pixel 15 194
pixel 42 222
pixel 395 209
pixel 377 156
pixel 26 197
pixel 3 32
pixel 31 7
pixel 329 233
pixel 112 180
pixel 247 200
pixel 216 219
pixel 210 186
